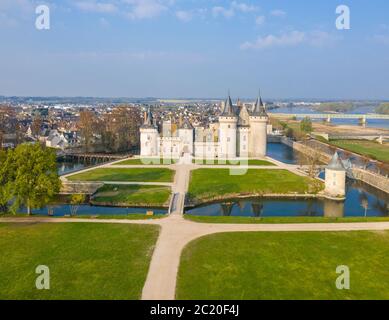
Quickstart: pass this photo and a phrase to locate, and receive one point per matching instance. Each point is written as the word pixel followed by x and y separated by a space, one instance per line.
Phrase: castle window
pixel 228 139
pixel 229 126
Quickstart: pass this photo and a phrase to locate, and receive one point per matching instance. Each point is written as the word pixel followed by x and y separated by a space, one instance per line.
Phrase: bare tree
pixel 36 126
pixel 86 124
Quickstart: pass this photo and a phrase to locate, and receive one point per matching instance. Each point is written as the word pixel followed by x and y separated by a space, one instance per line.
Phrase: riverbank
pixel 281 220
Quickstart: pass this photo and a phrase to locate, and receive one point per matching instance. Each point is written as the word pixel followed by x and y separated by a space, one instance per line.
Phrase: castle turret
pixel 335 180
pixel 228 121
pixel 258 130
pixel 148 137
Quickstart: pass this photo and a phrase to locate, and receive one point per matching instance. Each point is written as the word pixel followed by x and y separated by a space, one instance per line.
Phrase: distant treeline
pixel 335 107
pixel 383 108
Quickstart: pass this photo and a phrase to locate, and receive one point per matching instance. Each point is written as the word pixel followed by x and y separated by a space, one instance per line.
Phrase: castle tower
pixel 148 137
pixel 228 121
pixel 186 136
pixel 335 181
pixel 243 132
pixel 258 130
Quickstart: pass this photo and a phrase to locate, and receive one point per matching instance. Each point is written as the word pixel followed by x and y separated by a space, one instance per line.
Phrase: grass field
pixel 285 266
pixel 234 163
pixel 370 149
pixel 212 184
pixel 86 261
pixel 130 195
pixel 129 175
pixel 283 220
pixel 145 161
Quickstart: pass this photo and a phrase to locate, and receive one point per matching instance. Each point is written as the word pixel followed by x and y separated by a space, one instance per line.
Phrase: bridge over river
pixel 329 116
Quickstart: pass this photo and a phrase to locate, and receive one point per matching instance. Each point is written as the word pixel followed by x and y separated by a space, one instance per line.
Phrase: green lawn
pixel 145 161
pixel 298 265
pixel 234 163
pixel 131 195
pixel 129 175
pixel 370 149
pixel 86 261
pixel 214 184
pixel 283 220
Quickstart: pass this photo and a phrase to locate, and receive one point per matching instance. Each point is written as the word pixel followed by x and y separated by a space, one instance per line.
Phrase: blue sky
pixel 195 48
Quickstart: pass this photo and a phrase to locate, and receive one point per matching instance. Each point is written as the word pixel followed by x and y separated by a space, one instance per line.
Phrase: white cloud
pixel 260 20
pixel 321 38
pixel 184 16
pixel 221 11
pixel 243 7
pixel 290 39
pixel 235 7
pixel 145 9
pixel 287 39
pixel 93 6
pixel 13 12
pixel 278 13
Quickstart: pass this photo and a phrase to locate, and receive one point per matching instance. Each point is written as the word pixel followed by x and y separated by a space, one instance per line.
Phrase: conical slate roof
pixel 228 108
pixel 243 117
pixel 148 121
pixel 336 163
pixel 186 124
pixel 259 109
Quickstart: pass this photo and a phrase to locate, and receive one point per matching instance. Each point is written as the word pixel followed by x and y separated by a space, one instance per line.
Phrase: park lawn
pixel 125 175
pixel 217 184
pixel 281 220
pixel 86 261
pixel 370 149
pixel 145 161
pixel 132 195
pixel 252 162
pixel 284 265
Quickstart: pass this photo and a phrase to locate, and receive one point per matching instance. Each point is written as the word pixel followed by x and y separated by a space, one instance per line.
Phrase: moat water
pixel 66 166
pixel 362 200
pixel 89 210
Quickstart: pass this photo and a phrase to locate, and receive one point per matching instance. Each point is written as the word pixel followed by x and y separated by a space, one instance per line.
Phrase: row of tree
pixel 28 177
pixel 117 131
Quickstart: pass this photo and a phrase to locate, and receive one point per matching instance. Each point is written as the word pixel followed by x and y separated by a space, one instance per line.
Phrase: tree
pixel 7 170
pixel 306 125
pixel 313 159
pixel 75 201
pixel 86 124
pixel 36 126
pixel 126 127
pixel 36 179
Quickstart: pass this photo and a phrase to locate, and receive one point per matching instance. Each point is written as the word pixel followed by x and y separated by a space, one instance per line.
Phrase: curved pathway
pixel 176 233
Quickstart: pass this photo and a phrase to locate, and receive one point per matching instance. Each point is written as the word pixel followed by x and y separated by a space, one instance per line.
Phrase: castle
pixel 241 132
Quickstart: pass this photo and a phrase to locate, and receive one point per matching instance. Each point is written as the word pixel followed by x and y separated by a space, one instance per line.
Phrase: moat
pixel 361 200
